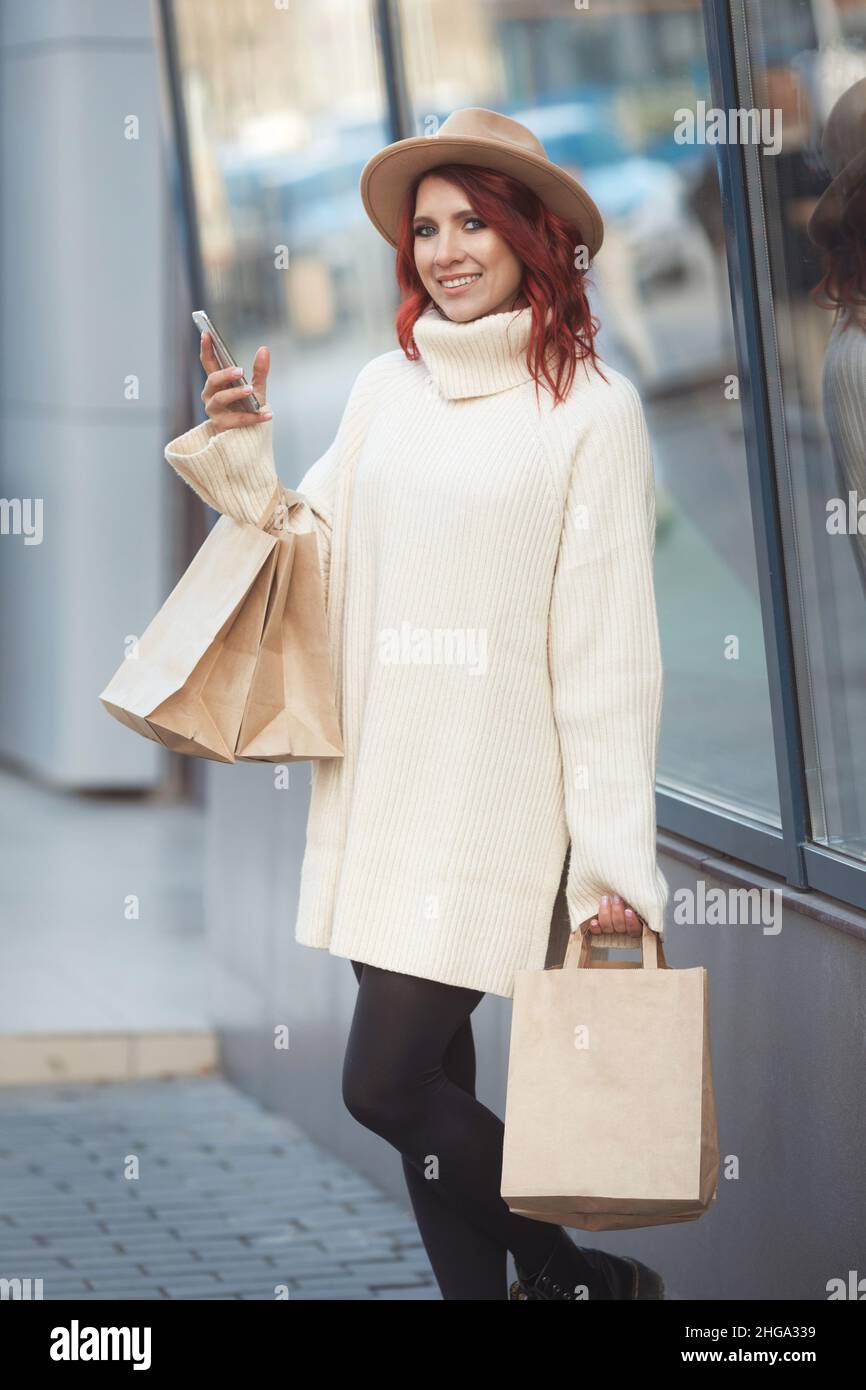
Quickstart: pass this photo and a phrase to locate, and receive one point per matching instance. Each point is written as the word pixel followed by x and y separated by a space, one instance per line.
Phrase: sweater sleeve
pixel 605 664
pixel 233 471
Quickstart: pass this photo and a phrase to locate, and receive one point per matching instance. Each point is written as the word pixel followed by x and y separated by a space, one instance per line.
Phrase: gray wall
pixel 787 1017
pixel 86 278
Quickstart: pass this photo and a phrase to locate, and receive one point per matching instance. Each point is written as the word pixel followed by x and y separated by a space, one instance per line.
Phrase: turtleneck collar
pixel 478 358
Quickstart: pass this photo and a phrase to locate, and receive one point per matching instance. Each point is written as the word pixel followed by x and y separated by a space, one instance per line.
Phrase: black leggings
pixel 409 1075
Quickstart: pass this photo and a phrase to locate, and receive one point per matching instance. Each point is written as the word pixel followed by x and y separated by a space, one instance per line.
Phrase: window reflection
pixel 283 106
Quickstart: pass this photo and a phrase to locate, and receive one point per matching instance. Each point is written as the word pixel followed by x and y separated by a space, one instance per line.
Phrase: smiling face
pixel 465 266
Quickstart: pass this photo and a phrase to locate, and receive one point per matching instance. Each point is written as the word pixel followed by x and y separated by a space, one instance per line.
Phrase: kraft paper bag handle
pixel 650 943
pixel 275 515
pixel 269 516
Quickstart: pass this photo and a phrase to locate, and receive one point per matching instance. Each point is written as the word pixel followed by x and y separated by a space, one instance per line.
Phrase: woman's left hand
pixel 615 915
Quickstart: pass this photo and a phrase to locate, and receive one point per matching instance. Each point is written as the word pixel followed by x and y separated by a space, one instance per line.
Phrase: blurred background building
pixel 159 158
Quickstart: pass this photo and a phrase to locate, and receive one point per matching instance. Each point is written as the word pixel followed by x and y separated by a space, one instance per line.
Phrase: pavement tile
pixel 213 1216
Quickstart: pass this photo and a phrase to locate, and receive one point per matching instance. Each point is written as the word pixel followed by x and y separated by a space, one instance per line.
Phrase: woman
pixel 485 517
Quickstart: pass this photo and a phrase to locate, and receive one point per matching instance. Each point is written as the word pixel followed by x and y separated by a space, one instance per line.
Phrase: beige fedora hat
pixel 474 135
pixel 843 149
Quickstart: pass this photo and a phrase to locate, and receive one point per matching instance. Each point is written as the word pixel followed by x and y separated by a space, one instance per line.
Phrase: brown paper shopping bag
pixel 610 1118
pixel 291 711
pixel 187 685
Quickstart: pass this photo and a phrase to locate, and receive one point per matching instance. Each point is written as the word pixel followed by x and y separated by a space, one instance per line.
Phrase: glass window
pixel 278 141
pixel 805 61
pixel 602 88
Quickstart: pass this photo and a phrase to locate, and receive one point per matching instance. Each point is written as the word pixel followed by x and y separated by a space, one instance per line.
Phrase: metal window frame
pixel 766 847
pixel 791 853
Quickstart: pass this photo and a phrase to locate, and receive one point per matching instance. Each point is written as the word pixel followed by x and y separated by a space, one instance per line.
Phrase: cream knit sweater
pixel 488 563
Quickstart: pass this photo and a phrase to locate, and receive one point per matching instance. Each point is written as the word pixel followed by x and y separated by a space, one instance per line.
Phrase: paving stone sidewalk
pixel 230 1201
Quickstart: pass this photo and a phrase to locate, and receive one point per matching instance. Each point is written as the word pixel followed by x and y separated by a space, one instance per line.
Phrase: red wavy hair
pixel 546 245
pixel 843 283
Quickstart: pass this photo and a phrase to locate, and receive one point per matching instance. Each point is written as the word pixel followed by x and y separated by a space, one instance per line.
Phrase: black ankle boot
pixel 570 1266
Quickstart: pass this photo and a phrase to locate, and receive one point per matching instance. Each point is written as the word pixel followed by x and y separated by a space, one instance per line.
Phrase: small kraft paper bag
pixel 291 711
pixel 187 684
pixel 610 1120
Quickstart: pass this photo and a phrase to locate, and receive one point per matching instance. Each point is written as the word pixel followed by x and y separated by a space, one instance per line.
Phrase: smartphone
pixel 225 359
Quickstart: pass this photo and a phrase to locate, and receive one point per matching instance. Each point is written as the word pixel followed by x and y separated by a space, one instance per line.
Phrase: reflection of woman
pixel 838 227
pixel 460 498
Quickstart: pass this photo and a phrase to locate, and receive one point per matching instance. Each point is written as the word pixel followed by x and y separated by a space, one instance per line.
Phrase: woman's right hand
pixel 219 391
